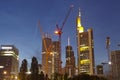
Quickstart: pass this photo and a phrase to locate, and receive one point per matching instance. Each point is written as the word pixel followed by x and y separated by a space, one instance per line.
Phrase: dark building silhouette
pixel 99 69
pixel 9 62
pixel 70 61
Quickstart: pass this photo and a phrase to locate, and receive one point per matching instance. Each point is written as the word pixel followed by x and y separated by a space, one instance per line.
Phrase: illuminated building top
pixel 9 50
pixel 80 28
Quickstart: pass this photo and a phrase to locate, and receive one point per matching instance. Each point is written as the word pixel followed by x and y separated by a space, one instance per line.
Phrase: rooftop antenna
pixel 68 41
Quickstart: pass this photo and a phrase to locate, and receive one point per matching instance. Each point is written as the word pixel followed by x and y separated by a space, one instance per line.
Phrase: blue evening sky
pixel 18 24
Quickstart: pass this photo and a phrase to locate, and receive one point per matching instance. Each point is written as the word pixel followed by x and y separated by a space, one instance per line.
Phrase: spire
pixel 80 28
pixel 68 41
pixel 79 13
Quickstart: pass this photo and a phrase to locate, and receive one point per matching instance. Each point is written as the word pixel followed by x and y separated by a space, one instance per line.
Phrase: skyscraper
pixel 9 62
pixel 85 48
pixel 70 61
pixel 115 60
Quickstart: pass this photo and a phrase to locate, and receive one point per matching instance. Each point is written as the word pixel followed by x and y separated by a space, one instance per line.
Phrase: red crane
pixel 59 29
pixel 59 33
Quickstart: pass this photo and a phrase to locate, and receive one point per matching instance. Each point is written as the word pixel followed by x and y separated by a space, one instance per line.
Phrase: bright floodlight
pixel 1 66
pixel 28 72
pixel 56 32
pixel 4 72
pixel 109 63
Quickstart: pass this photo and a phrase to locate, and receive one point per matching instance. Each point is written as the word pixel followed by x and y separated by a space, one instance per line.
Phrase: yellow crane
pixel 47 47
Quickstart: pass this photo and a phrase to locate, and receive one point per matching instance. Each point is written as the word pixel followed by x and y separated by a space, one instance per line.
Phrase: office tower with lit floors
pixel 70 61
pixel 115 64
pixel 85 48
pixel 9 62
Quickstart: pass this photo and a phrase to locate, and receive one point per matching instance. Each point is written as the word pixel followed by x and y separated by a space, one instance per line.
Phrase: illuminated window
pixel 84 48
pixel 85 62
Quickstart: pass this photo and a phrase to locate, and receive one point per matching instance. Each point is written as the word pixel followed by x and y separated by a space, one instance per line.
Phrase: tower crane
pixel 59 32
pixel 59 29
pixel 47 48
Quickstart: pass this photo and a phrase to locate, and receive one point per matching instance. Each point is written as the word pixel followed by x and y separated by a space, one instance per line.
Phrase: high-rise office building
pixel 85 48
pixel 115 64
pixel 70 61
pixel 9 62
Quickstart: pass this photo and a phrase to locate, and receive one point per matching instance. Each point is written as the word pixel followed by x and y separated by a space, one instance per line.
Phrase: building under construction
pixel 51 50
pixel 51 60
